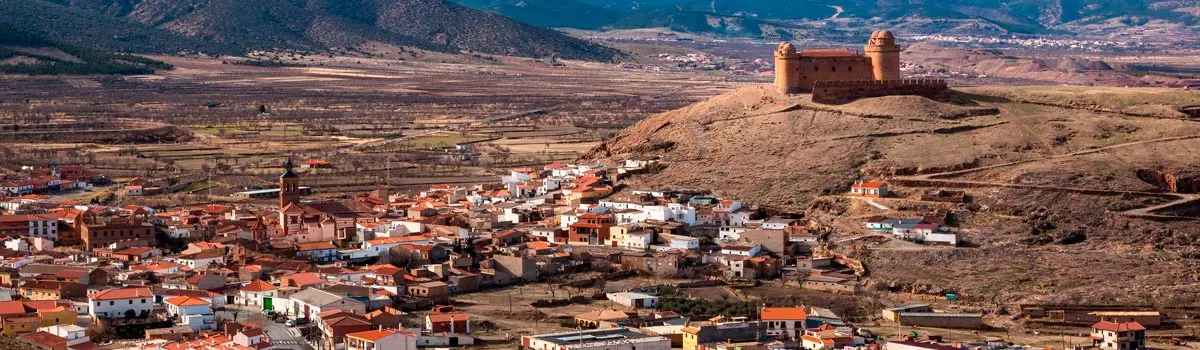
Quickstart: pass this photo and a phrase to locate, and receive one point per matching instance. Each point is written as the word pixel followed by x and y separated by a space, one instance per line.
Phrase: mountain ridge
pixel 224 26
pixel 1015 16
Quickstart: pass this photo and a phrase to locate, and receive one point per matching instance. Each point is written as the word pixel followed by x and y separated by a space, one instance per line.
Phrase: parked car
pixel 296 322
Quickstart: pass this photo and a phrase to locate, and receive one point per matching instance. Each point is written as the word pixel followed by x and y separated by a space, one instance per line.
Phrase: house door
pixel 614 243
pixel 454 340
pixel 268 306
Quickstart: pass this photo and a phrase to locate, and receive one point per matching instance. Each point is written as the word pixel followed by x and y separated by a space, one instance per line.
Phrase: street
pixel 281 336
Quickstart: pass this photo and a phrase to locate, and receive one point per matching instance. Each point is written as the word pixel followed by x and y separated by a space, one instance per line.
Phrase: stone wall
pixel 838 92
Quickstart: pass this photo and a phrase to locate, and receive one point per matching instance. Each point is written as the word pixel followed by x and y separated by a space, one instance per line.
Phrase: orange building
pixel 591 229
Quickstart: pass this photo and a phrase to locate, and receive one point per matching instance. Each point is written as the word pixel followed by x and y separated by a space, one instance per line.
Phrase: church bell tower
pixel 289 186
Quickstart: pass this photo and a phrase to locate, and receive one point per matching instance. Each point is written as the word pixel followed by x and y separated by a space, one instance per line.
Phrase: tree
pixel 101 333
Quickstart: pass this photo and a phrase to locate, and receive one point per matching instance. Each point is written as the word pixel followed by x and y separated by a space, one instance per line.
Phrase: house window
pixel 111 303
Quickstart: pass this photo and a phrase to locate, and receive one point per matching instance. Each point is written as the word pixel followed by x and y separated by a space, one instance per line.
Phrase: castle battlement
pixel 843 91
pixel 899 82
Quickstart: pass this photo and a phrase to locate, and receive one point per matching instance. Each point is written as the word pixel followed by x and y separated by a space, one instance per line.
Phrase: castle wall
pixel 837 92
pixel 814 69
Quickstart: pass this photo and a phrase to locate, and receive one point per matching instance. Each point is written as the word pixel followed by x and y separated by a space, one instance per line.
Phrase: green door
pixel 267 304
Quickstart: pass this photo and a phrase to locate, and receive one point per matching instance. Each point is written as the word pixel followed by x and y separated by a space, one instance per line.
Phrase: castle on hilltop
pixel 842 75
pixel 799 71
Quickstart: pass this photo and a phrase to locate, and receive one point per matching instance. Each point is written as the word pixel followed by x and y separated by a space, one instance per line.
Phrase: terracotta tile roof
pixel 123 293
pixel 783 313
pixel 331 313
pixel 346 321
pixel 187 301
pixel 870 184
pixel 11 308
pixel 1119 327
pixel 45 339
pixel 372 336
pixel 304 279
pixel 458 316
pixel 419 247
pixel 72 273
pixel 259 286
pixel 42 305
pixel 252 332
pixel 133 251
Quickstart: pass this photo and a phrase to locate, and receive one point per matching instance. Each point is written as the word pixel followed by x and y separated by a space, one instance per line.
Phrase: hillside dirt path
pixel 1144 212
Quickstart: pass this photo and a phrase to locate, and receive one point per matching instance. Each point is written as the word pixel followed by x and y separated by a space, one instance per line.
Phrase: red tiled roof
pixel 258 286
pixel 458 316
pixel 870 184
pixel 372 336
pixel 11 308
pixel 123 293
pixel 45 339
pixel 1119 327
pixel 304 278
pixel 783 313
pixel 186 301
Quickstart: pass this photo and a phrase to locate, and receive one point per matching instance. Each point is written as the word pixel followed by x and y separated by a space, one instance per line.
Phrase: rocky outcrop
pixel 1168 182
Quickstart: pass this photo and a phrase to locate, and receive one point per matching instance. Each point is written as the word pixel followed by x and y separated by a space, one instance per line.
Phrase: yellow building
pixel 691 338
pixel 57 316
pixel 616 236
pixel 20 325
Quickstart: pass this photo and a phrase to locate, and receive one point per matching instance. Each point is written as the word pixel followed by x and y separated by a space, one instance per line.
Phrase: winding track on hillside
pixel 941 179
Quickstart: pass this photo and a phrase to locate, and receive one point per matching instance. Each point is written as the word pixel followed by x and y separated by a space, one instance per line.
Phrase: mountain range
pixel 1016 16
pixel 230 26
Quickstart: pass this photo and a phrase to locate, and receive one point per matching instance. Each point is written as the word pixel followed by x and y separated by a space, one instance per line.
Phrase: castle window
pixel 850 69
pixel 816 69
pixel 834 68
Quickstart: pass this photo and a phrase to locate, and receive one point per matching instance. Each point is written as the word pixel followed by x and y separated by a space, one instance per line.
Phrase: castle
pixel 799 71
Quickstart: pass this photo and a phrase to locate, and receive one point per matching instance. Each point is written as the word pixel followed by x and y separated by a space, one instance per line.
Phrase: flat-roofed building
pixel 596 339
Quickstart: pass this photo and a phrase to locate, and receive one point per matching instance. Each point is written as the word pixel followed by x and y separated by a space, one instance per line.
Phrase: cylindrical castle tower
pixel 884 54
pixel 787 68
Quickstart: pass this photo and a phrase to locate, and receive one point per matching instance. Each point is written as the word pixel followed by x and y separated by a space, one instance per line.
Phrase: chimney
pixel 452 323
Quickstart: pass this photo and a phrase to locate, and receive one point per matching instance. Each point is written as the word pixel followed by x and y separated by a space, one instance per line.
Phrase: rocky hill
pixel 244 25
pixel 1045 168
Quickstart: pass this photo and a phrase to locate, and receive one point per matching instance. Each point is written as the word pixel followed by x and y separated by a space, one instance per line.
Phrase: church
pixel 317 221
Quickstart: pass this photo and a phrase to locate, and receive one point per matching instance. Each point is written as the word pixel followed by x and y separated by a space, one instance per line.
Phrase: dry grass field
pixel 413 121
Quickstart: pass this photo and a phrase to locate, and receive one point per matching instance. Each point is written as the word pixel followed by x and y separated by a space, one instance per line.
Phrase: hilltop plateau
pixel 1043 167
